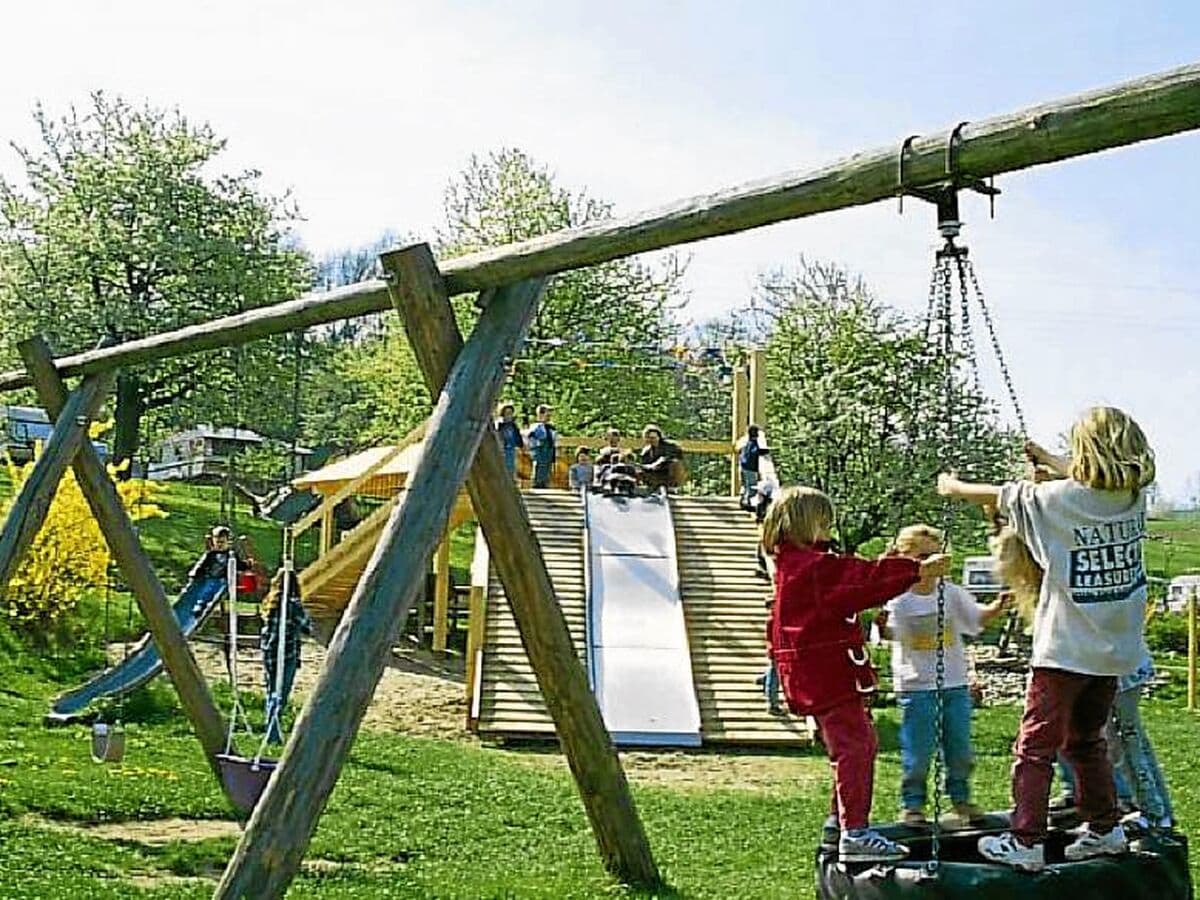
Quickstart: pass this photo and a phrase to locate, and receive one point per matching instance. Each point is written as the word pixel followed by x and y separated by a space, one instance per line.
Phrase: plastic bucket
pixel 244 779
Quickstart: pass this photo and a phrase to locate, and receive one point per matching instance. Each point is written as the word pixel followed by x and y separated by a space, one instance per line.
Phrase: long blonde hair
pixel 1110 452
pixel 798 515
pixel 1017 569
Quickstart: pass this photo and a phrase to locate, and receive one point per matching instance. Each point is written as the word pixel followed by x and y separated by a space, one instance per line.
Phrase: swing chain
pixel 968 333
pixel 995 341
pixel 945 310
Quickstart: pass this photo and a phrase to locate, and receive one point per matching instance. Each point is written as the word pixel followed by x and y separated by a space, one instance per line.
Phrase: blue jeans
pixel 771 684
pixel 510 458
pixel 541 471
pixel 275 702
pixel 918 743
pixel 749 482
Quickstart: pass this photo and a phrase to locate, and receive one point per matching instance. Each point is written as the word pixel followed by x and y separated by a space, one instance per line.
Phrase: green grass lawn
pixel 1174 545
pixel 424 818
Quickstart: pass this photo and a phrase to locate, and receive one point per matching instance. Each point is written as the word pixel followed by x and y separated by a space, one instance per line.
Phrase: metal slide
pixel 639 660
pixel 192 609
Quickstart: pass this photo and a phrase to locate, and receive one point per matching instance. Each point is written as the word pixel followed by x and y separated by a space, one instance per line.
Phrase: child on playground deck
pixel 817 643
pixel 582 472
pixel 1086 533
pixel 910 621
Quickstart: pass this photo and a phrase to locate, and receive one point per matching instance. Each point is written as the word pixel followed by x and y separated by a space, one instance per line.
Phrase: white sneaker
pixel 869 846
pixel 1136 821
pixel 1005 848
pixel 1090 844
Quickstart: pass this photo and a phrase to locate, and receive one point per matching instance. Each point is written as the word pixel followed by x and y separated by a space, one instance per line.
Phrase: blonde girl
pixel 816 642
pixel 1085 532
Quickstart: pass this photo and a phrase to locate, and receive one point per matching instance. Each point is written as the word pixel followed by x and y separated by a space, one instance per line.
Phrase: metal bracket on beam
pixel 944 193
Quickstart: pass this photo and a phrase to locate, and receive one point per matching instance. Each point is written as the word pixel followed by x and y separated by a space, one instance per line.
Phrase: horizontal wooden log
pixel 101 495
pixel 279 831
pixel 32 504
pixel 436 342
pixel 1146 108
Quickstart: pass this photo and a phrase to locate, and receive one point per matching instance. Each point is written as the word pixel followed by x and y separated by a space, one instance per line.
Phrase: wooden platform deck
pixel 723 607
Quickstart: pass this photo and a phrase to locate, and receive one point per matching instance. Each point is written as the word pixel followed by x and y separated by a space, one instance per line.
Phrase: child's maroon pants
pixel 1064 711
pixel 849 739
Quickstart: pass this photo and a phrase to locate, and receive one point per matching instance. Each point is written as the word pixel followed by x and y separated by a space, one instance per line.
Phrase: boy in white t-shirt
pixel 911 621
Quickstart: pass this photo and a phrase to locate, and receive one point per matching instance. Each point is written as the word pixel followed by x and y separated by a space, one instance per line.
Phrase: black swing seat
pixel 245 779
pixel 1155 868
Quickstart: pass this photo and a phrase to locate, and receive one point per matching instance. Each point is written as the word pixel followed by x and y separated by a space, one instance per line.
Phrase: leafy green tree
pixel 598 352
pixel 858 406
pixel 123 228
pixel 599 349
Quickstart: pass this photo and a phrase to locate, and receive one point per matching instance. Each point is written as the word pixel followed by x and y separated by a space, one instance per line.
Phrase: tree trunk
pixel 130 409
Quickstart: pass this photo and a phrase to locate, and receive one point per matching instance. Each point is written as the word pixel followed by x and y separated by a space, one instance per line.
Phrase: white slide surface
pixel 638 655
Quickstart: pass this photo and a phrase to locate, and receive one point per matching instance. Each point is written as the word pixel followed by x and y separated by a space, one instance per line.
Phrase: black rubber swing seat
pixel 245 779
pixel 1156 868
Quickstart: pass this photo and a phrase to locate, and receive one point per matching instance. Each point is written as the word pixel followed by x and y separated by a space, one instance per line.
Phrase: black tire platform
pixel 1156 868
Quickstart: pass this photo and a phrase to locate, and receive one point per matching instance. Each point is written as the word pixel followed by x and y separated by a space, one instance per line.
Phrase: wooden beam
pixel 441 593
pixel 1155 106
pixel 758 388
pixel 282 824
pixel 32 504
pixel 433 334
pixel 741 418
pixel 687 445
pixel 121 536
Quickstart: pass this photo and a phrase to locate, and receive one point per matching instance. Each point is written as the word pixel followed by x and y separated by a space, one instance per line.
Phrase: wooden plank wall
pixel 723 606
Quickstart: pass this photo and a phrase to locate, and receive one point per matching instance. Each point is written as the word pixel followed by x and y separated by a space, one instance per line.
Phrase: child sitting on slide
pixel 1086 533
pixel 817 643
pixel 911 621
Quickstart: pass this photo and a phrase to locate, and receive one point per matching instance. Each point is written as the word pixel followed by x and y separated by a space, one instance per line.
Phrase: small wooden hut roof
pixel 389 479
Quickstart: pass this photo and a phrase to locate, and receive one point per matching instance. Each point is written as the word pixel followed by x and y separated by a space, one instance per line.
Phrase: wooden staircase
pixel 328 584
pixel 724 610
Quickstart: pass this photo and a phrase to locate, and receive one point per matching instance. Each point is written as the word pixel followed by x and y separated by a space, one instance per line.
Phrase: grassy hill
pixel 1174 545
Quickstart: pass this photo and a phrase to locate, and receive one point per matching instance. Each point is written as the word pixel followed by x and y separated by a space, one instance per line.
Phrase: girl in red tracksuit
pixel 817 644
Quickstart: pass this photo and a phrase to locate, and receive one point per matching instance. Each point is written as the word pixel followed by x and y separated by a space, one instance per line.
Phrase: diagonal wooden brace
pixel 420 297
pixel 122 538
pixel 279 831
pixel 32 504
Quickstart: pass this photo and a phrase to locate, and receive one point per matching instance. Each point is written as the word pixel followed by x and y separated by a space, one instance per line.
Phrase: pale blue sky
pixel 366 109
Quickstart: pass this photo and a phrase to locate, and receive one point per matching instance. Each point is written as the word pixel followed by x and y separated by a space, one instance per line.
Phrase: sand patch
pixel 149 832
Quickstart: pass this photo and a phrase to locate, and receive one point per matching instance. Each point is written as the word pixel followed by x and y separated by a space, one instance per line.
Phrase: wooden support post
pixel 32 504
pixel 1192 640
pixel 328 523
pixel 741 419
pixel 283 822
pixel 758 388
pixel 119 532
pixel 441 593
pixel 420 297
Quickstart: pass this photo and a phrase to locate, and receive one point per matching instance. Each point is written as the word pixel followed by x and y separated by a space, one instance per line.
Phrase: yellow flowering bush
pixel 69 553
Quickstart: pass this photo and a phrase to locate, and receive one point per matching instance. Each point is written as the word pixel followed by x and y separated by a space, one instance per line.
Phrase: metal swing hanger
pixel 944 192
